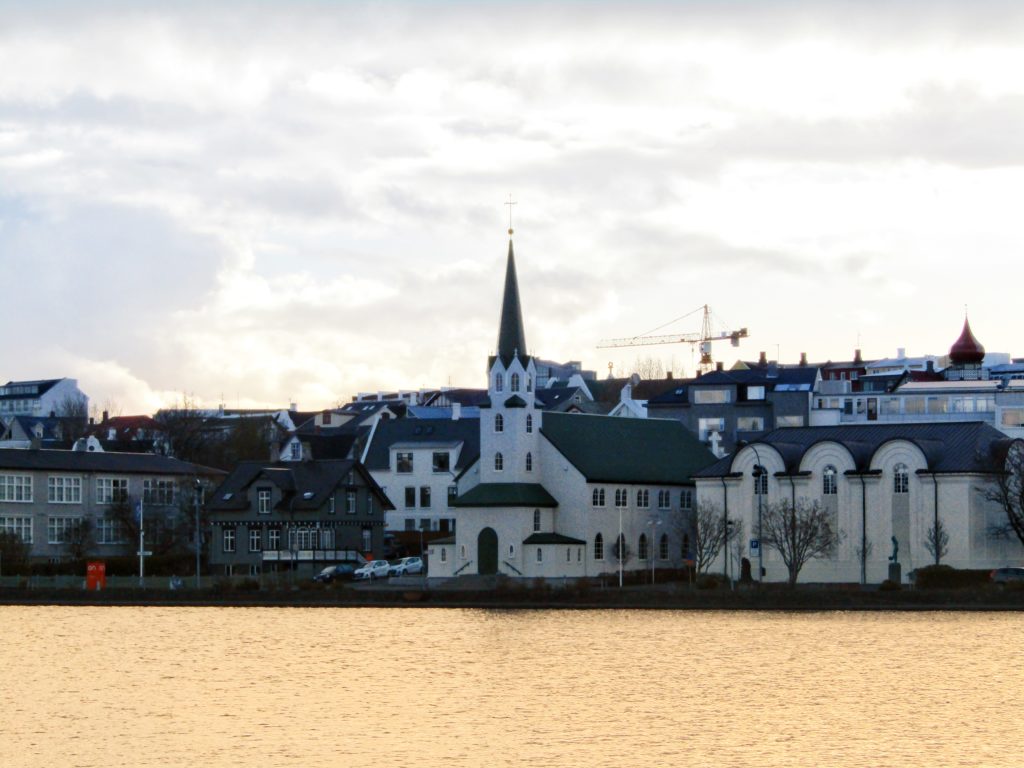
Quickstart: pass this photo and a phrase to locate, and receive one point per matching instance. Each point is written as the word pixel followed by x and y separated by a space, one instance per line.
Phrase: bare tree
pixel 1007 490
pixel 78 538
pixel 936 541
pixel 799 533
pixel 621 550
pixel 14 553
pixel 649 368
pixel 706 528
pixel 73 411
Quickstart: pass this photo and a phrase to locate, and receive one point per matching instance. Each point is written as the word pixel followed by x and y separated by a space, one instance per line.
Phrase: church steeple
pixel 511 337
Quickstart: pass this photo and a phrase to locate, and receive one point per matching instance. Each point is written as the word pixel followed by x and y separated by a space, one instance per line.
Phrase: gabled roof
pixel 551 538
pixel 760 376
pixel 413 431
pixel 305 485
pixel 610 450
pixel 506 495
pixel 84 461
pixel 966 446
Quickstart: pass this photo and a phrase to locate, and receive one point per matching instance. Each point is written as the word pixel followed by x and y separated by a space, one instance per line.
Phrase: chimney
pixel 803 359
pixel 106 416
pixel 719 366
pixel 92 421
pixel 762 359
pixel 901 352
pixel 668 376
pixel 857 358
pixel 930 366
pixel 275 452
pixel 699 372
pixel 456 411
pixel 293 406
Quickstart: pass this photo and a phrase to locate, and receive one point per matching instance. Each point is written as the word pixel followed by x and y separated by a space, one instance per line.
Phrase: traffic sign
pixel 755 546
pixel 144 553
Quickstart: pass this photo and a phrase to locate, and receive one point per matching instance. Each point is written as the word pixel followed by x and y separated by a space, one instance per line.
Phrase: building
pixel 70 504
pixel 880 483
pixel 295 516
pixel 564 495
pixel 46 397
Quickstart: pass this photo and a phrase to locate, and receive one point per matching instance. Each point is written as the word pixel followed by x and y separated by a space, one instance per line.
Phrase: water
pixel 408 687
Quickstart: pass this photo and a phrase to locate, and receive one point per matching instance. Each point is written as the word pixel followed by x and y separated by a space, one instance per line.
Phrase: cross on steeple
pixel 510 203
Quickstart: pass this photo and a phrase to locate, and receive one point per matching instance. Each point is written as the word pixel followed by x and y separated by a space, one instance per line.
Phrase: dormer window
pixel 499 382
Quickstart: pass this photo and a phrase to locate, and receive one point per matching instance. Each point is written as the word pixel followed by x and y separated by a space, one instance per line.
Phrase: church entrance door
pixel 487 552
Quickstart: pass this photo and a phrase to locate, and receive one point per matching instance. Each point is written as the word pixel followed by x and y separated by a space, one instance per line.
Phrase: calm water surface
pixel 393 687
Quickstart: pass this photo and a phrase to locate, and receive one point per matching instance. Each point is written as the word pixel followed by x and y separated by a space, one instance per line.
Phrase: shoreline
pixel 800 600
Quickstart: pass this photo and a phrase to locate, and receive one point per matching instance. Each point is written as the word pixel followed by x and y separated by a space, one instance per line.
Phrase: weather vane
pixel 510 203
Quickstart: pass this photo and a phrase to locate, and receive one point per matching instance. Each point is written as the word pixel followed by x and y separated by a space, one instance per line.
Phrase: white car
pixel 405 566
pixel 375 569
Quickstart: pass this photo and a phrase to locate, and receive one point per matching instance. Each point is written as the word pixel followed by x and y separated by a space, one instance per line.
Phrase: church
pixel 565 495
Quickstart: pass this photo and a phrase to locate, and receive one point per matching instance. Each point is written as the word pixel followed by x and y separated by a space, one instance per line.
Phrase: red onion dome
pixel 966 349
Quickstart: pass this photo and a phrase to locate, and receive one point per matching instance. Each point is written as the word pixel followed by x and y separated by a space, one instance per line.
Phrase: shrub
pixel 947 577
pixel 889 586
pixel 711 581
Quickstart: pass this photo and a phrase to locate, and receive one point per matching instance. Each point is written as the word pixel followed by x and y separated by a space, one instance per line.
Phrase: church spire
pixel 511 337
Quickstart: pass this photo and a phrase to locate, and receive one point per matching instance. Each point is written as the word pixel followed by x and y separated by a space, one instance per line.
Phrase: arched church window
pixel 536 520
pixel 529 423
pixel 499 423
pixel 663 547
pixel 514 382
pixel 499 462
pixel 599 547
pixel 529 462
pixel 529 383
pixel 642 547
pixel 828 480
pixel 599 497
pixel 499 382
pixel 901 479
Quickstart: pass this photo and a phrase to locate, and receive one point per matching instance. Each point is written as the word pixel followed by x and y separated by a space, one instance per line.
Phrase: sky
pixel 264 203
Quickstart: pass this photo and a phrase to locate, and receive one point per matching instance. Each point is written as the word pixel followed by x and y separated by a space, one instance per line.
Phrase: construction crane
pixel 703 339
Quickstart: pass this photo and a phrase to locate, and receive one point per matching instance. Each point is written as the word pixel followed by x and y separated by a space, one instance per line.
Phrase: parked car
pixel 406 566
pixel 1008 575
pixel 335 573
pixel 375 569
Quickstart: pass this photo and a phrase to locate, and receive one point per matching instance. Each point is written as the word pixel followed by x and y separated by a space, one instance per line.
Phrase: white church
pixel 561 495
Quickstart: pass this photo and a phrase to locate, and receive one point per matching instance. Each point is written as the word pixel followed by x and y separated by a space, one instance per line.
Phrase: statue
pixel 895 557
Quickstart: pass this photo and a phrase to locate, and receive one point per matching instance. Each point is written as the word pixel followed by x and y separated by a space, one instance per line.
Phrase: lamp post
pixel 650 548
pixel 759 472
pixel 198 488
pixel 619 547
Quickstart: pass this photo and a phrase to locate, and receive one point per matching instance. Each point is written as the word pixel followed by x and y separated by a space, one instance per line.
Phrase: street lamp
pixel 759 472
pixel 619 546
pixel 198 490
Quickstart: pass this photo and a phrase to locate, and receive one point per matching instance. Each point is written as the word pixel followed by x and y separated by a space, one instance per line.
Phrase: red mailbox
pixel 95 575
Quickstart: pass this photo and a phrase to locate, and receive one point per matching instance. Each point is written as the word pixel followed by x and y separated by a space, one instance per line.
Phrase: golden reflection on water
pixel 410 687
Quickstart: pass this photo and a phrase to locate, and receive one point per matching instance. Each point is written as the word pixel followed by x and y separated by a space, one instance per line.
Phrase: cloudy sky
pixel 275 202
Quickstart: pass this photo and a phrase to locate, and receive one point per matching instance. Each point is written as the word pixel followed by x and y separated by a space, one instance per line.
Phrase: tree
pixel 706 528
pixel 621 550
pixel 1007 489
pixel 78 538
pixel 936 541
pixel 649 368
pixel 799 533
pixel 14 553
pixel 73 411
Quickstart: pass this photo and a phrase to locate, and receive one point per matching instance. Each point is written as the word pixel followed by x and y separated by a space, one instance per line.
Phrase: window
pixel 514 382
pixel 255 540
pixel 663 547
pixel 686 498
pixel 1013 417
pixel 410 497
pixel 229 539
pixel 620 547
pixel 444 555
pixel 712 396
pixel 410 523
pixel 331 505
pixel 828 480
pixel 529 423
pixel 761 483
pixel 499 382
pixel 15 488
pixel 424 523
pixel 641 549
pixel 350 502
pixel 621 497
pixel 499 423
pixel 706 426
pixel 327 538
pixel 664 499
pixel 536 520
pixel 750 423
pixel 568 554
pixel 540 555
pixel 598 497
pixel 462 551
pixel 263 501
pixel 158 491
pixel 755 393
pixel 110 490
pixel 643 498
pixel 425 496
pixel 599 547
pixel 499 462
pixel 110 531
pixel 403 463
pixel 296 450
pixel 64 490
pixel 901 479
pixel 274 539
pixel 529 383
pixel 529 462
pixel 791 421
pixel 59 530
pixel 453 494
pixel 19 526
pixel 511 550
pixel 441 461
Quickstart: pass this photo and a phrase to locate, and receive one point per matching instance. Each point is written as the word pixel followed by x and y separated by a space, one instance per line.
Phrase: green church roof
pixel 551 538
pixel 608 449
pixel 506 495
pixel 511 336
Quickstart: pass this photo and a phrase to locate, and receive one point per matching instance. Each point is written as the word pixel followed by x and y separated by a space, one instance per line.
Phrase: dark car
pixel 335 573
pixel 1008 575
